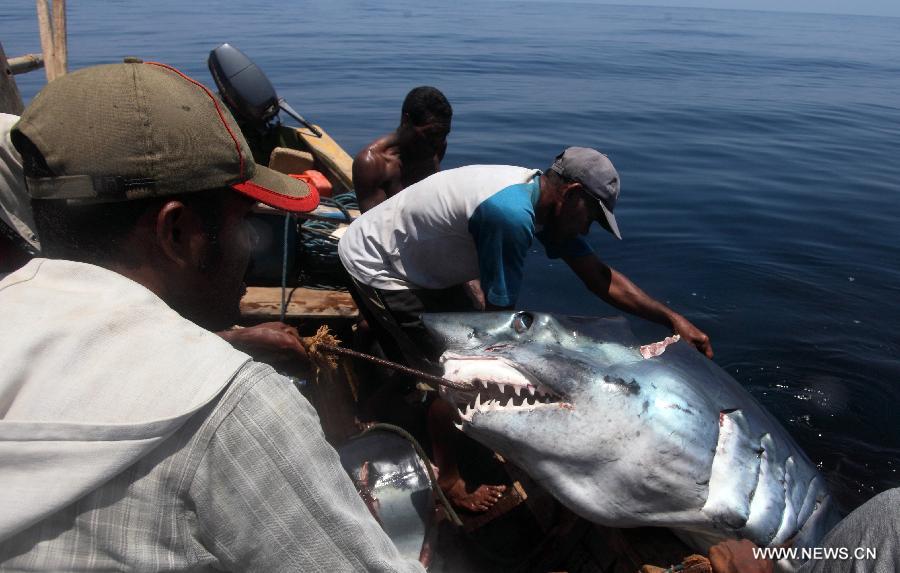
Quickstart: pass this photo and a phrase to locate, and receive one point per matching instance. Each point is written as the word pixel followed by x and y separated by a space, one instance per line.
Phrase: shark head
pixel 554 395
pixel 625 434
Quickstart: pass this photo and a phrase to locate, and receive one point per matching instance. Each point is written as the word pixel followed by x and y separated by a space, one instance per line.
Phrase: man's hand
pixel 692 334
pixel 273 343
pixel 734 556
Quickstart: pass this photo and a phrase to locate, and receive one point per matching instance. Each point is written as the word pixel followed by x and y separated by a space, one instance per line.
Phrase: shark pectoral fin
pixel 735 472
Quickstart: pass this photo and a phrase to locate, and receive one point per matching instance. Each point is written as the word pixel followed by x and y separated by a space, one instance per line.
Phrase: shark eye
pixel 522 321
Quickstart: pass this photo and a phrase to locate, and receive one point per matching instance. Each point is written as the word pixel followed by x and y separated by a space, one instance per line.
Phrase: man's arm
pixel 617 290
pixel 270 493
pixel 369 175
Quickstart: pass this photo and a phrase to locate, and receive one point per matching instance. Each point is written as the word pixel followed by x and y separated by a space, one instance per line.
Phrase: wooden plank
pixel 265 303
pixel 320 213
pixel 10 99
pixel 330 154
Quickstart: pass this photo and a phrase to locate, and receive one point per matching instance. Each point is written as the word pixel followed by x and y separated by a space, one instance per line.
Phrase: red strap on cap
pixel 279 200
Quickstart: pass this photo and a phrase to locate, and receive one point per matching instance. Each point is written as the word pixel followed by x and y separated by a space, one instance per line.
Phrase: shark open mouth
pixel 496 385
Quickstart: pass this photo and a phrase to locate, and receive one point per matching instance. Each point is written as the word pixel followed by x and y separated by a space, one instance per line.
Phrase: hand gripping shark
pixel 670 440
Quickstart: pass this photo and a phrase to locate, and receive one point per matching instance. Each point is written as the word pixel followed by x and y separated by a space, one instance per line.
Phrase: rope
pixel 327 363
pixel 424 376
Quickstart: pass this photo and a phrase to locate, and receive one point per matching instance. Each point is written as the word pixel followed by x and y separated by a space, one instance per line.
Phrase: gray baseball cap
pixel 596 174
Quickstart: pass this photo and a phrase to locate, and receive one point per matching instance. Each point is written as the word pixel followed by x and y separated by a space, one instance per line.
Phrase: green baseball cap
pixel 127 131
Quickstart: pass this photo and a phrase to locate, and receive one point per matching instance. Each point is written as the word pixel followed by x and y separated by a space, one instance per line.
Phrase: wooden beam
pixel 10 98
pixel 265 303
pixel 26 63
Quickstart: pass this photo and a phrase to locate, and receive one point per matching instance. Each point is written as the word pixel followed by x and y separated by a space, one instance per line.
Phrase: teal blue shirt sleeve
pixel 573 248
pixel 503 229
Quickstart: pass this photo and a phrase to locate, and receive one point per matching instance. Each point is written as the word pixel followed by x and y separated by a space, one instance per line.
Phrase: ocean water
pixel 758 153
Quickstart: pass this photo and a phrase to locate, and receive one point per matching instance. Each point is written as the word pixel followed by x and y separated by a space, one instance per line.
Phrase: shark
pixel 630 435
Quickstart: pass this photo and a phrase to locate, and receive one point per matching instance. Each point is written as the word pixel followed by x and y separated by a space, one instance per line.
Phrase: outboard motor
pixel 246 89
pixel 250 96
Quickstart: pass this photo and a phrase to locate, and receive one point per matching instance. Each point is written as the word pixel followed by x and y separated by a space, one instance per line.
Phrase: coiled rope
pixel 320 266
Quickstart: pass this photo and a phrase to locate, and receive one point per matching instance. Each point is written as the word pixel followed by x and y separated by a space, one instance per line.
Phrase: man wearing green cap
pixel 132 437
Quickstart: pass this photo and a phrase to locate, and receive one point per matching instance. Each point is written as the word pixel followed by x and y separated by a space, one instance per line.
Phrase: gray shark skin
pixel 624 441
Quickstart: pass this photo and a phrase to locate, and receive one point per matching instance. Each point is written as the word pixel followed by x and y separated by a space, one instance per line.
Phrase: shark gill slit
pixel 728 499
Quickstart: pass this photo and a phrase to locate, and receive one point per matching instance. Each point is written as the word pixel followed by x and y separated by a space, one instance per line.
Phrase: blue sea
pixel 759 155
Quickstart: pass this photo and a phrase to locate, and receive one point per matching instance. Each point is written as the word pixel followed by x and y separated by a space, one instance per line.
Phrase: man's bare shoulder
pixel 377 171
pixel 381 154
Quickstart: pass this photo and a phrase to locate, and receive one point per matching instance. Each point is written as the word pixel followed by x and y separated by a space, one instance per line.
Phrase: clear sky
pixel 864 7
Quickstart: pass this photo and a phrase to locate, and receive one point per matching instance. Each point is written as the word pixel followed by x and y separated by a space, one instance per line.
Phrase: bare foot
pixel 477 501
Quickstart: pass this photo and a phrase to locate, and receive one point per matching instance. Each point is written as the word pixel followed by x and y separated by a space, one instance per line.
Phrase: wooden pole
pixel 60 46
pixel 10 99
pixel 26 63
pixel 53 37
pixel 46 30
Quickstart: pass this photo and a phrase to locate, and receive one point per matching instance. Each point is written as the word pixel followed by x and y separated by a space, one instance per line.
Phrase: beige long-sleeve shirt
pixel 247 484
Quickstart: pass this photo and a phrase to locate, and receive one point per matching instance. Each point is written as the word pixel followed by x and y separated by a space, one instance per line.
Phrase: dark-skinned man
pixel 415 253
pixel 409 154
pixel 131 436
pixel 273 343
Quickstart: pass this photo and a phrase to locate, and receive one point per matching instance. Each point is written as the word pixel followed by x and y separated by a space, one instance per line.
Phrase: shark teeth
pixel 494 405
pixel 467 415
pixel 493 375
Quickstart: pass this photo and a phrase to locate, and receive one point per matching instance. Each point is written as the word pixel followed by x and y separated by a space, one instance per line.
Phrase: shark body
pixel 625 440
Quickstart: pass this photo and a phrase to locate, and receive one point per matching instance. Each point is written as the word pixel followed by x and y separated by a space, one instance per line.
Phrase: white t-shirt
pixel 420 238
